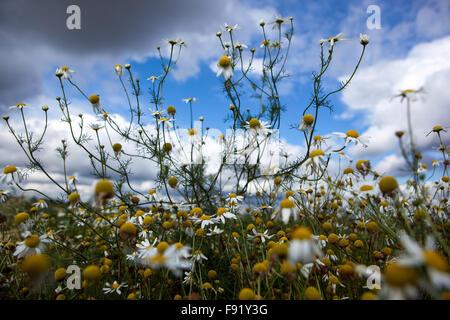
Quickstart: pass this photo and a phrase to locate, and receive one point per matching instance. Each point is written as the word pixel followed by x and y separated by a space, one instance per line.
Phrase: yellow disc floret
pixel 224 62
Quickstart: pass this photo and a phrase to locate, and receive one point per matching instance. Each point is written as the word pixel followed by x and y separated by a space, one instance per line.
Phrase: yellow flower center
pixel 159 258
pixel 254 123
pixel 302 233
pixel 224 62
pixel 366 188
pixel 114 286
pixel 94 99
pixel 104 187
pixel 352 134
pixel 312 293
pixel 65 68
pixel 308 119
pixel 316 153
pixel 221 211
pixel 399 276
pixel 32 241
pixel 21 217
pixel 192 132
pixel 92 273
pixel 287 204
pixel 348 171
pixel 434 260
pixel 9 169
pixel 205 217
pixel 388 184
pixel 246 294
pixel 162 246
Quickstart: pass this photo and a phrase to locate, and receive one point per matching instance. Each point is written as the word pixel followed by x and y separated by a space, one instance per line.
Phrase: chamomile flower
pixel 146 249
pixel 320 141
pixel 198 256
pixel 225 67
pixel 410 94
pixel 152 78
pixel 233 199
pixel 33 244
pixel 264 236
pixel 332 40
pixel 279 21
pixel 416 256
pixel 40 204
pixel 264 43
pixel 10 175
pixel 64 72
pixel 223 214
pixel 95 126
pixel 240 45
pixel 18 106
pixel 316 159
pixel 306 123
pixel 303 247
pixel 119 70
pixel 115 287
pixel 288 209
pixel 191 99
pixel 3 195
pixel 254 125
pixel 229 28
pixel 95 101
pixel 215 231
pixel 171 257
pixel 204 221
pixel 353 136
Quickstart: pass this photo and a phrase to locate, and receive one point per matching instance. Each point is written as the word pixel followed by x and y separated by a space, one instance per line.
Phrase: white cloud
pixel 426 65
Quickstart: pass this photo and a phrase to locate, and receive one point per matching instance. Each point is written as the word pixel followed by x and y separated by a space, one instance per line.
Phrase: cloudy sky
pixel 409 51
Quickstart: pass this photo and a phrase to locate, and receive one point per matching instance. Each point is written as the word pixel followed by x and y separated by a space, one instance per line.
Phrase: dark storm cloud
pixel 34 35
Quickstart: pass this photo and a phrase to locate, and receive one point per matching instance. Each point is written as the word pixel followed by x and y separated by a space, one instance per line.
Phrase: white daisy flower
pixel 191 99
pixel 332 40
pixel 233 199
pixel 64 72
pixel 353 136
pixel 40 204
pixel 198 256
pixel 303 247
pixel 364 39
pixel 223 214
pixel 114 287
pixel 254 125
pixel 215 231
pixel 225 67
pixel 410 94
pixel 288 209
pixel 204 221
pixel 3 195
pixel 119 70
pixel 10 175
pixel 152 78
pixel 279 21
pixel 262 235
pixel 230 28
pixel 428 257
pixel 33 244
pixel 18 106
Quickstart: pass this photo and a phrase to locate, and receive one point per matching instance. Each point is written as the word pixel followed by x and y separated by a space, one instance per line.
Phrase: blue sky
pixel 408 51
pixel 318 18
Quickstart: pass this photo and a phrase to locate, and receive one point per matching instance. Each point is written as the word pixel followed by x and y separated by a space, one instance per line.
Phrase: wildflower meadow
pixel 229 215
